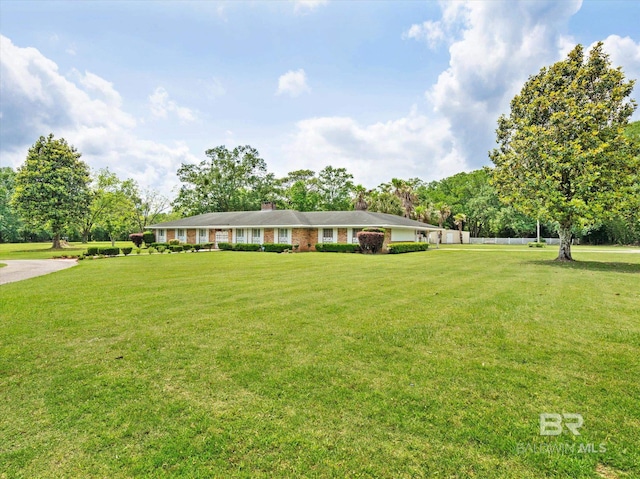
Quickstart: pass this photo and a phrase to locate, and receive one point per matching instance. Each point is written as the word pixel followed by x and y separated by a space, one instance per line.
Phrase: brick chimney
pixel 268 206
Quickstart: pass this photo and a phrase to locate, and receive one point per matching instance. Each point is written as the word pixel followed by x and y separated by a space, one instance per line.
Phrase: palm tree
pixel 360 199
pixel 404 190
pixel 459 219
pixel 443 211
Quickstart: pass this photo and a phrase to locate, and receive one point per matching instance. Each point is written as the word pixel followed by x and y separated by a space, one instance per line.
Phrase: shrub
pixel 225 246
pixel 109 251
pixel 187 247
pixel 126 251
pixel 370 241
pixel 536 245
pixel 162 248
pixel 138 251
pixel 338 248
pixel 396 248
pixel 92 251
pixel 175 248
pixel 197 247
pixel 208 245
pixel 152 250
pixel 148 237
pixel 247 247
pixel 276 247
pixel 155 245
pixel 136 238
pixel 174 242
pixel 374 230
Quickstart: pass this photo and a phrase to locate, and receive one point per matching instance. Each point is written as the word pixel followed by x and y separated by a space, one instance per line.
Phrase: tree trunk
pixel 56 241
pixel 565 243
pixel 113 240
pixel 460 229
pixel 85 237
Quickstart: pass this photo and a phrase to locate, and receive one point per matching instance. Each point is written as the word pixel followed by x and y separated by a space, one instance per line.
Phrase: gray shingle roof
pixel 292 219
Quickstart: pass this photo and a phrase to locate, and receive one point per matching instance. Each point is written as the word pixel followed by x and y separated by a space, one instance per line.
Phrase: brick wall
pixel 304 237
pixel 171 235
pixel 342 235
pixel 212 236
pixel 191 236
pixel 268 235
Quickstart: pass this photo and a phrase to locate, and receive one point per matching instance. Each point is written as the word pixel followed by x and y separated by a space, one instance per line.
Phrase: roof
pixel 292 219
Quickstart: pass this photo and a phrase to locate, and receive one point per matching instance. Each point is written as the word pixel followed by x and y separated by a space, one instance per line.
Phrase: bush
pixel 92 251
pixel 162 248
pixel 138 251
pixel 209 246
pixel 187 247
pixel 151 250
pixel 396 248
pixel 109 251
pixel 155 245
pixel 126 251
pixel 225 246
pixel 247 247
pixel 276 247
pixel 338 248
pixel 148 237
pixel 374 230
pixel 174 242
pixel 535 244
pixel 370 241
pixel 176 248
pixel 197 247
pixel 136 238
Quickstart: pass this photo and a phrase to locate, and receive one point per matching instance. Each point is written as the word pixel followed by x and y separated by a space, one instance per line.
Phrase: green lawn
pixel 434 364
pixel 44 251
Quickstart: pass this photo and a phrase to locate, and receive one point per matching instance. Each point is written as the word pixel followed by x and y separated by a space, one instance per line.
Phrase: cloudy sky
pixel 385 89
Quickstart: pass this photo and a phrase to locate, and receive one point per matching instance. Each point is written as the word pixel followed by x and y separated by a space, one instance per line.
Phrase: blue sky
pixel 385 89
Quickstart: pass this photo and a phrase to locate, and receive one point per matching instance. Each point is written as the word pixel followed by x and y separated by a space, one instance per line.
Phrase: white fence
pixel 511 240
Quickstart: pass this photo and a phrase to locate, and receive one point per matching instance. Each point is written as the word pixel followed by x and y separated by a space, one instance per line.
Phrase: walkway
pixel 19 269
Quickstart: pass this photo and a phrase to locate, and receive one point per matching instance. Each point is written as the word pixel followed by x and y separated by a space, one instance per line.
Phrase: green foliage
pixel 335 187
pixel 187 247
pixel 10 224
pixel 174 242
pixel 535 244
pixel 109 251
pixel 397 248
pixel 51 187
pixel 385 202
pixel 225 246
pixel 374 230
pixel 209 246
pixel 92 250
pixel 126 251
pixel 562 153
pixel 277 247
pixel 234 180
pixel 152 250
pixel 246 247
pixel 162 248
pixel 176 248
pixel 371 241
pixel 148 237
pixel 337 248
pixel 197 247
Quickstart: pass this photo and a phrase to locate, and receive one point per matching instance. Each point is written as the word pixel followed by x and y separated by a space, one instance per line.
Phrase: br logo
pixel 552 424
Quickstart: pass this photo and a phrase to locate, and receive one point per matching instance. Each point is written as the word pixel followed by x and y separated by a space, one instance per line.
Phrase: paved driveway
pixel 19 269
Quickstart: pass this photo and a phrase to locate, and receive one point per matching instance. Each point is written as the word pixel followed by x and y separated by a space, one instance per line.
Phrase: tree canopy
pixel 562 153
pixel 51 187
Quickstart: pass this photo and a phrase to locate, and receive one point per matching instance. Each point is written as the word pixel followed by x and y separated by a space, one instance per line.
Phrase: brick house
pixel 301 229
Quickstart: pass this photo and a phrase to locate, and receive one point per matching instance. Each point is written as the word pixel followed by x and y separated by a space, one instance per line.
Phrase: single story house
pixel 300 229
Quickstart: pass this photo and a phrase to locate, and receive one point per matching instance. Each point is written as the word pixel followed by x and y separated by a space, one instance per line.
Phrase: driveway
pixel 19 269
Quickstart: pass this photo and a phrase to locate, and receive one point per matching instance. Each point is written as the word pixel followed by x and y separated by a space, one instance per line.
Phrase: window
pixel 283 235
pixel 255 235
pixel 161 236
pixel 354 237
pixel 240 235
pixel 327 235
pixel 203 236
pixel 182 236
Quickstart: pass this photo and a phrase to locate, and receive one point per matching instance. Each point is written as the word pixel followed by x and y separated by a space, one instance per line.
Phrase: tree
pixel 385 202
pixel 360 199
pixel 335 189
pixel 404 191
pixel 10 223
pixel 443 211
pixel 234 180
pixel 51 188
pixel 299 191
pixel 562 154
pixel 459 220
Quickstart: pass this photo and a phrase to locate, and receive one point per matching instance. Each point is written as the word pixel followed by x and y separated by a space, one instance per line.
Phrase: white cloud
pixel 83 108
pixel 293 83
pixel 494 47
pixel 161 105
pixel 624 52
pixel 432 32
pixel 410 146
pixel 306 6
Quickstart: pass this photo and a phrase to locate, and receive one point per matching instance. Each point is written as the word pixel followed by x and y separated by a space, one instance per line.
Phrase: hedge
pixel 148 237
pixel 247 247
pixel 127 251
pixel 225 246
pixel 109 251
pixel 176 248
pixel 396 248
pixel 370 241
pixel 155 245
pixel 92 250
pixel 187 247
pixel 337 248
pixel 277 247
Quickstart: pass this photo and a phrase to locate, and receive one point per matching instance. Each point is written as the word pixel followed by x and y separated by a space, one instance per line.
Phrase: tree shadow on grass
pixel 633 268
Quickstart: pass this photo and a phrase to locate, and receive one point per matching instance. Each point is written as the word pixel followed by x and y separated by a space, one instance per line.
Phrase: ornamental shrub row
pixel 277 247
pixel 109 251
pixel 396 248
pixel 239 247
pixel 338 248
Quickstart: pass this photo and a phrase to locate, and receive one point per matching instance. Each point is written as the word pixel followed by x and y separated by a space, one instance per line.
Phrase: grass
pixel 44 250
pixel 432 364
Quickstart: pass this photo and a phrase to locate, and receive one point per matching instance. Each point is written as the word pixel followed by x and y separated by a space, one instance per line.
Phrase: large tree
pixel 233 180
pixel 51 188
pixel 562 155
pixel 10 224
